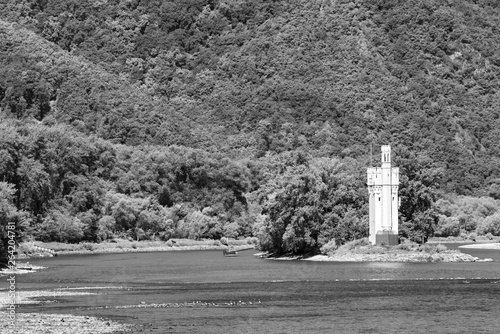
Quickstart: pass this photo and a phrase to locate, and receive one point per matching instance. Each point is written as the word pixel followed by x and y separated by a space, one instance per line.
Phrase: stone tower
pixel 383 184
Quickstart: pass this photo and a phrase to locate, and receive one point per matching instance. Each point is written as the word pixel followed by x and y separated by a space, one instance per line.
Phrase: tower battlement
pixel 377 176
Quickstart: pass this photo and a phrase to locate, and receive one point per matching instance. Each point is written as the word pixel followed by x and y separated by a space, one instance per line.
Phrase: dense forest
pixel 211 118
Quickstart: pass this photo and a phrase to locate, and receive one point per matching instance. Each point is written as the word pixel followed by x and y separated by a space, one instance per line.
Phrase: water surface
pixel 204 292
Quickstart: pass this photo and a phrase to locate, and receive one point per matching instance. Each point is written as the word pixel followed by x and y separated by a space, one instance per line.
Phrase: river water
pixel 204 292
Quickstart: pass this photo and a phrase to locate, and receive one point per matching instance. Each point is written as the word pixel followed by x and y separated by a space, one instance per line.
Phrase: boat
pixel 230 251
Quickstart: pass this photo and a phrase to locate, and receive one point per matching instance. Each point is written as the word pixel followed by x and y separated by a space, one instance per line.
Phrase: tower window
pixel 379 199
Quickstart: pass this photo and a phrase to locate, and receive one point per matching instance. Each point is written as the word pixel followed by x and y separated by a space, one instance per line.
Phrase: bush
pixel 88 246
pixel 59 226
pixel 197 226
pixel 490 224
pixel 329 247
pixel 407 245
pixel 441 248
pixel 433 248
pixel 448 227
pixel 105 227
pixel 252 240
pixel 356 243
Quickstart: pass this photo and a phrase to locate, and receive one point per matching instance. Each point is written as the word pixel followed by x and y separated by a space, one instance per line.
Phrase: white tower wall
pixel 383 184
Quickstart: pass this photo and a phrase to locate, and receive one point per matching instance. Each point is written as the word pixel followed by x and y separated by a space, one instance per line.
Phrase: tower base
pixel 386 238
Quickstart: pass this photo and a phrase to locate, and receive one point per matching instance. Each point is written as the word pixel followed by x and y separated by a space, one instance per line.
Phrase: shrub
pixel 59 226
pixel 88 246
pixel 490 224
pixel 197 226
pixel 252 240
pixel 231 230
pixel 105 227
pixel 356 243
pixel 448 227
pixel 407 245
pixel 433 248
pixel 329 247
pixel 441 248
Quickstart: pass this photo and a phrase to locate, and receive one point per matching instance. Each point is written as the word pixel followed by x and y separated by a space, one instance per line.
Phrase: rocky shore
pixel 22 268
pixel 394 257
pixel 35 323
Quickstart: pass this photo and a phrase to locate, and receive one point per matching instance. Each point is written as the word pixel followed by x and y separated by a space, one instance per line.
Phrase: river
pixel 204 292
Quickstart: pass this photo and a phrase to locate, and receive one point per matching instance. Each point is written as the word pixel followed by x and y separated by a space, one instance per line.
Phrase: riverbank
pixel 48 249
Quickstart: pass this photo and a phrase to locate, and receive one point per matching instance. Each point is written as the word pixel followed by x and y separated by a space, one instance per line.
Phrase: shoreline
pixel 362 250
pixel 482 246
pixel 387 257
pixel 26 267
pixel 28 250
pixel 406 258
pixel 118 250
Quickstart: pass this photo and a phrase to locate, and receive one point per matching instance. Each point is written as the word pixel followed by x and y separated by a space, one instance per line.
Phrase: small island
pixel 362 250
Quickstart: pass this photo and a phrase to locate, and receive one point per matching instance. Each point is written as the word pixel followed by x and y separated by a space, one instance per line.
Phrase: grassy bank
pixel 39 249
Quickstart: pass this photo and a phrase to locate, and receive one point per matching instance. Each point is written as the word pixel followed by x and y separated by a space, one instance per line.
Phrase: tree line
pixel 202 118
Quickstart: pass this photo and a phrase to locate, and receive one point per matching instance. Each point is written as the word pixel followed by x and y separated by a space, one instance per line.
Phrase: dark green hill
pixel 258 76
pixel 278 83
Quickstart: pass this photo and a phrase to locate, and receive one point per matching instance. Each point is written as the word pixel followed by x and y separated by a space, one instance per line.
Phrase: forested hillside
pixel 198 118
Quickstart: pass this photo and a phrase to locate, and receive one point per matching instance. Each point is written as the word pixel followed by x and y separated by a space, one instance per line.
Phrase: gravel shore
pixel 422 257
pixel 35 323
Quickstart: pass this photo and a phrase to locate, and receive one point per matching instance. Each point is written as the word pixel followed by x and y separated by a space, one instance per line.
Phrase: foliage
pixel 465 214
pixel 490 225
pixel 309 205
pixel 419 180
pixel 133 117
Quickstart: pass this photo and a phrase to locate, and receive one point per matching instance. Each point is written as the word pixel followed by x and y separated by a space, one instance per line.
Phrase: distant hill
pixel 258 76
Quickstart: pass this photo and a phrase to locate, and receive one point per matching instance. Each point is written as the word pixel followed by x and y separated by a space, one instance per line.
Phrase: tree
pixel 309 205
pixel 419 179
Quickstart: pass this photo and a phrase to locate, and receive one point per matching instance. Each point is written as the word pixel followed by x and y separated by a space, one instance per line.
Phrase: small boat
pixel 230 251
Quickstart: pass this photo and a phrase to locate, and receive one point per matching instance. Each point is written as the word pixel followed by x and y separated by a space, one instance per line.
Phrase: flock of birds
pixel 196 303
pixel 230 303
